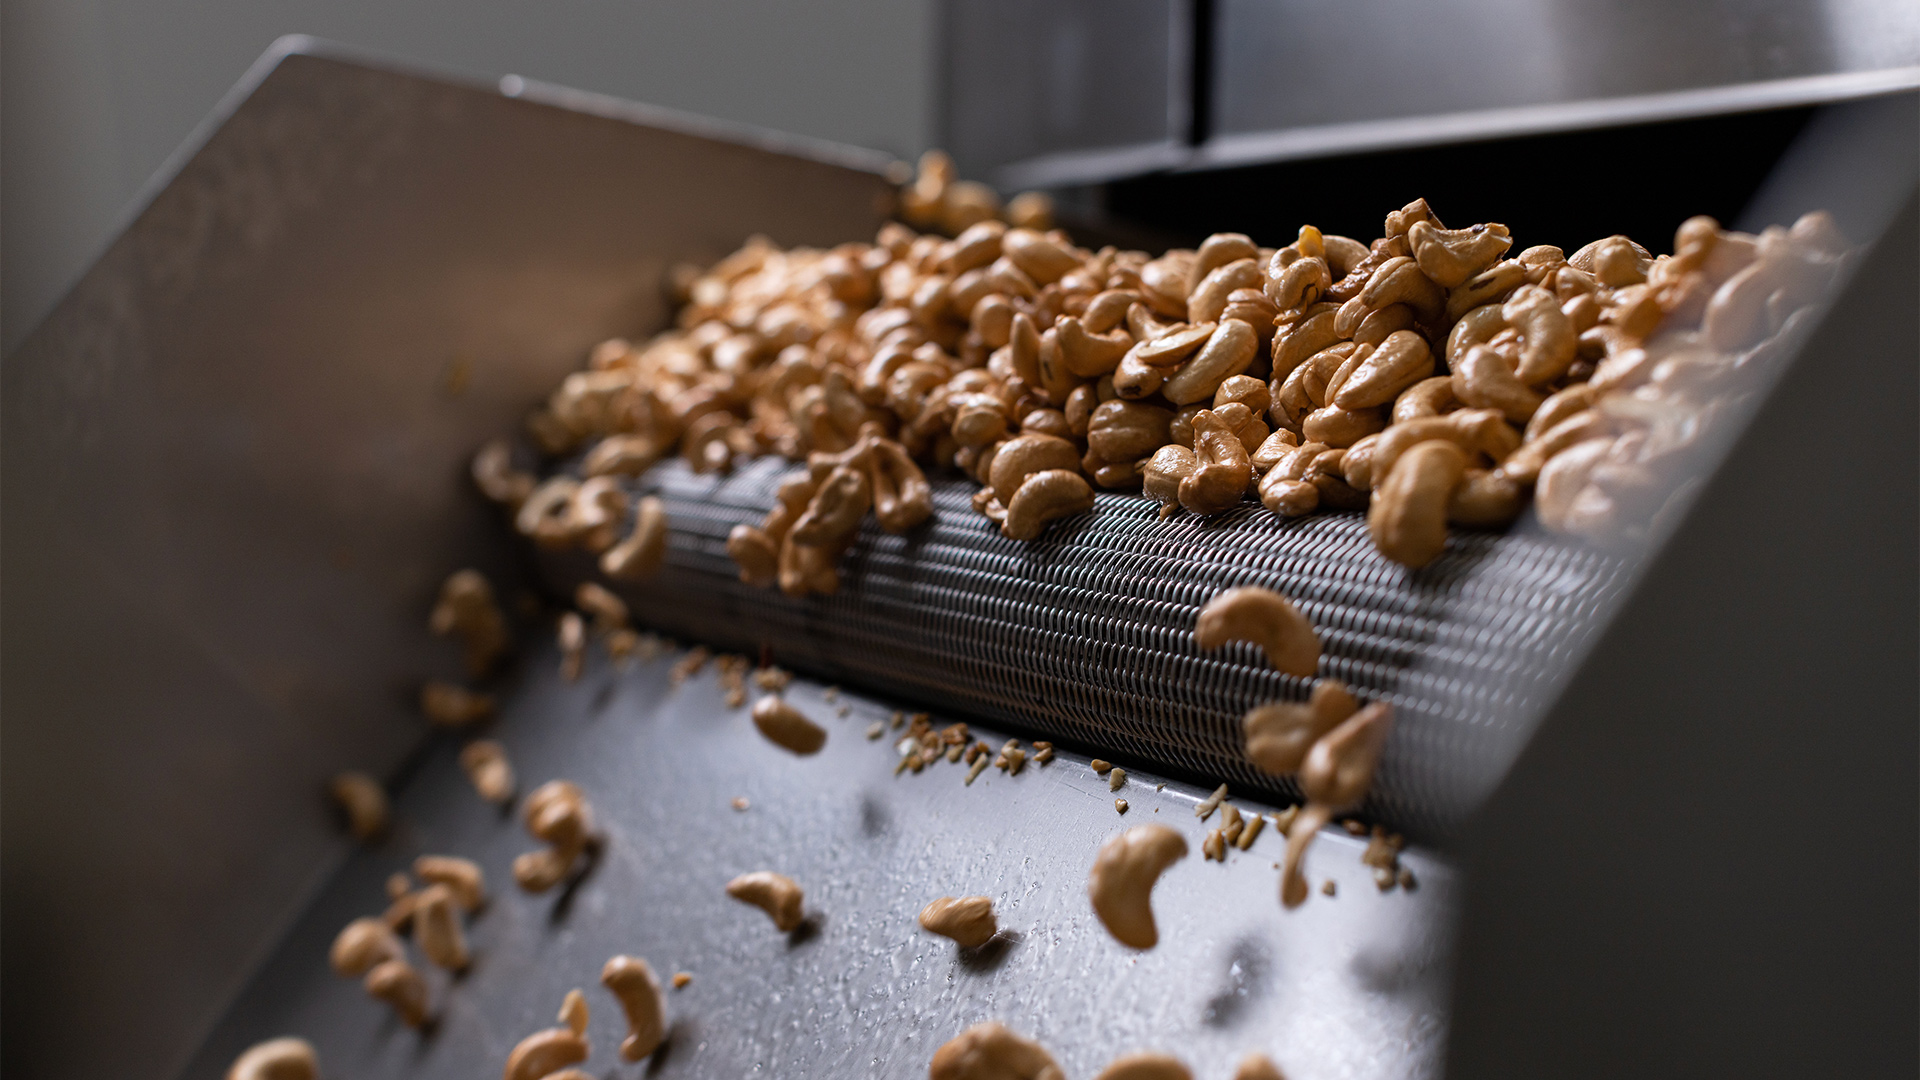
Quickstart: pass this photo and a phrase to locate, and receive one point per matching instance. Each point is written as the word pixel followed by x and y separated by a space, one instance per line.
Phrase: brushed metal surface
pixel 232 465
pixel 1344 986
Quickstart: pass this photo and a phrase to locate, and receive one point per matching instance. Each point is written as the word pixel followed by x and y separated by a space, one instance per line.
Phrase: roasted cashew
pixel 1408 518
pixel 1486 499
pixel 1338 427
pixel 976 246
pixel 1400 281
pixel 775 894
pixel 968 920
pixel 645 548
pixel 364 944
pixel 1474 328
pixel 1431 396
pixel 1490 286
pixel 364 802
pixel 902 498
pixel 990 1051
pixel 1285 489
pixel 1164 473
pixel 449 705
pixel 544 1053
pixel 1045 496
pixel 1294 281
pixel 1484 380
pixel 1089 355
pixel 1215 252
pixel 1121 430
pixel 1382 324
pixel 1400 361
pixel 632 982
pixel 1451 256
pixel 1121 883
pixel 276 1059
pixel 594 514
pixel 1108 310
pixel 1279 734
pixel 756 553
pixel 1227 352
pixel 1258 1067
pixel 401 987
pixel 462 877
pixel 1564 477
pixel 497 479
pixel 1614 261
pixel 467 609
pixel 1041 257
pixel 1293 344
pixel 1025 455
pixel 1265 618
pixel 1559 406
pixel 1209 299
pixel 557 814
pixel 436 929
pixel 787 727
pixel 1222 469
pixel 835 512
pixel 1145 1065
pixel 1548 336
pixel 1339 768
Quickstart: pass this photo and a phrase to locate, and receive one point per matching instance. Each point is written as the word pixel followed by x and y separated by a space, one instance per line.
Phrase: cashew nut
pixel 1145 1065
pixel 1429 397
pixel 1043 259
pixel 968 920
pixel 1408 518
pixel 755 552
pixel 775 894
pixel 1043 497
pixel 1121 430
pixel 901 496
pixel 544 1053
pixel 362 945
pixel 1222 468
pixel 401 987
pixel 1400 281
pixel 1484 380
pixel 1228 352
pixel 364 802
pixel 1339 428
pixel 1280 734
pixel 990 1051
pixel 497 479
pixel 786 727
pixel 1086 354
pixel 645 548
pixel 1339 768
pixel 1164 473
pixel 1121 884
pixel 1209 298
pixel 1401 360
pixel 1548 336
pixel 631 980
pixel 557 814
pixel 467 609
pixel 1025 455
pixel 450 706
pixel 1451 256
pixel 276 1059
pixel 574 1012
pixel 1217 251
pixel 436 929
pixel 487 767
pixel 1258 1067
pixel 1265 618
pixel 462 877
pixel 1295 342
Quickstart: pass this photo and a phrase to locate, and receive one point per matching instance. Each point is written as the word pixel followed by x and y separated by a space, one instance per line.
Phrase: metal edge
pixel 1256 148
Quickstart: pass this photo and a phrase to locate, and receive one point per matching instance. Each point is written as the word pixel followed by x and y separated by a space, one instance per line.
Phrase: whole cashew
pixel 1108 309
pixel 1524 465
pixel 1145 1065
pixel 1215 252
pixel 1451 256
pixel 1339 768
pixel 574 1012
pixel 557 814
pixel 1293 344
pixel 835 512
pixel 1382 324
pixel 276 1059
pixel 1342 254
pixel 1173 347
pixel 1222 469
pixel 1043 497
pixel 1265 618
pixel 436 929
pixel 1294 281
pixel 1228 352
pixel 1400 281
pixel 1408 519
pixel 1280 734
pixel 1128 430
pixel 1490 286
pixel 756 553
pixel 593 514
pixel 1474 328
pixel 990 1051
pixel 545 1052
pixel 1285 489
pixel 1304 389
pixel 968 920
pixel 462 877
pixel 1484 380
pixel 1258 1067
pixel 1164 473
pixel 1548 335
pixel 487 768
pixel 645 548
pixel 1429 397
pixel 632 982
pixel 401 987
pixel 364 802
pixel 1276 446
pixel 364 944
pixel 1121 883
pixel 1338 427
pixel 1025 455
pixel 1564 477
pixel 786 727
pixel 497 479
pixel 1557 407
pixel 775 894
pixel 1487 499
pixel 1043 259
pixel 1089 355
pixel 1209 299
pixel 976 246
pixel 1400 361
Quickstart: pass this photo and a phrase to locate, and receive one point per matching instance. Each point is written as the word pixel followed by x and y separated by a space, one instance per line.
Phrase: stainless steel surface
pixel 1087 634
pixel 1104 78
pixel 232 468
pixel 1345 986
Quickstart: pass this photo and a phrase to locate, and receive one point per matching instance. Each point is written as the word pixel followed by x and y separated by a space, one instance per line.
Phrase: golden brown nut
pixel 776 894
pixel 990 1051
pixel 968 920
pixel 1121 884
pixel 1265 618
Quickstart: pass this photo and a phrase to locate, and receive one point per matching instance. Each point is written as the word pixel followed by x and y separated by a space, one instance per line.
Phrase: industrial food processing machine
pixel 1660 795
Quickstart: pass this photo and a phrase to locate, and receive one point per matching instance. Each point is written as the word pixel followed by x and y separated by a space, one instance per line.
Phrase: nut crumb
pixel 979 766
pixel 1383 879
pixel 1250 829
pixel 681 979
pixel 898 718
pixel 689 665
pixel 1215 845
pixel 1329 888
pixel 1120 805
pixel 1210 803
pixel 741 803
pixel 843 711
pixel 1161 786
pixel 1406 879
pixel 1284 819
pixel 954 752
pixel 876 729
pixel 621 644
pixel 772 680
pixel 830 694
pixel 1101 767
pixel 1042 752
pixel 1354 827
pixel 1231 822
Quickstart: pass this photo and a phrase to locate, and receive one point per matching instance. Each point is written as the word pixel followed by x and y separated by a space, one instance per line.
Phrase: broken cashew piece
pixel 1145 1065
pixel 1335 777
pixel 487 767
pixel 466 609
pixel 544 1053
pixel 991 1051
pixel 285 1058
pixel 1265 618
pixel 364 944
pixel 400 986
pixel 631 981
pixel 1280 734
pixel 436 929
pixel 775 894
pixel 968 920
pixel 645 548
pixel 1121 884
pixel 364 802
pixel 787 727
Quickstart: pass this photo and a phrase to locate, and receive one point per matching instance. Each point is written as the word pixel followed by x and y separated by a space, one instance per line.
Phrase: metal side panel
pixel 1348 985
pixel 233 461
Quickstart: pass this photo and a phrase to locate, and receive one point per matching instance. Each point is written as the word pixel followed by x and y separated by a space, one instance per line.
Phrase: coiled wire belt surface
pixel 1086 635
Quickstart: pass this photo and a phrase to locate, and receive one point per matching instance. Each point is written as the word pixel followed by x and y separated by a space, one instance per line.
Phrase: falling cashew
pixel 968 920
pixel 487 767
pixel 1145 1065
pixel 364 944
pixel 462 877
pixel 400 986
pixel 276 1059
pixel 775 894
pixel 572 637
pixel 556 813
pixel 1280 734
pixel 1408 517
pixel 1121 883
pixel 632 982
pixel 436 929
pixel 364 802
pixel 990 1051
pixel 1265 618
pixel 466 609
pixel 787 727
pixel 1258 1067
pixel 451 706
pixel 645 548
pixel 544 1053
pixel 574 1012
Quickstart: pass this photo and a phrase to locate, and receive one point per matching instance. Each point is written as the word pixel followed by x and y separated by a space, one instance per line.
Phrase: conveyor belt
pixel 1086 634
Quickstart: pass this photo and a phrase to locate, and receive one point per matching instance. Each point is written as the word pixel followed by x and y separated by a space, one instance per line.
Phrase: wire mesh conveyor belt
pixel 1086 634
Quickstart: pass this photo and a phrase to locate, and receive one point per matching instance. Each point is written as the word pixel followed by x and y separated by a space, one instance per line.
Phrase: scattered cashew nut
pixel 968 920
pixel 991 1051
pixel 632 982
pixel 775 894
pixel 787 727
pixel 1121 883
pixel 1265 618
pixel 285 1058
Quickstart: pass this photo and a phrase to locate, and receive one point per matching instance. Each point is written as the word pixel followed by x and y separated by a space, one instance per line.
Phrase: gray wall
pixel 95 94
